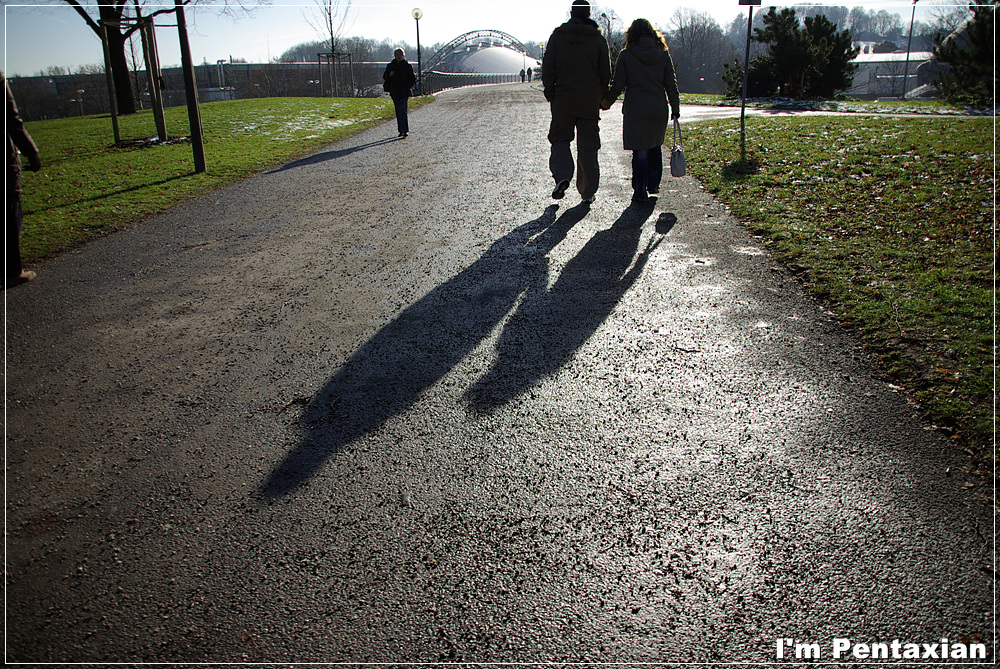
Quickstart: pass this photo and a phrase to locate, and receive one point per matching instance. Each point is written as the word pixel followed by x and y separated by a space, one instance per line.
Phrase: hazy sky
pixel 41 34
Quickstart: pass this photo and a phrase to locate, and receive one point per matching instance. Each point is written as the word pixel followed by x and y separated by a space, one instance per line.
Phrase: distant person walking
pixel 523 74
pixel 529 74
pixel 399 80
pixel 18 139
pixel 576 71
pixel 646 73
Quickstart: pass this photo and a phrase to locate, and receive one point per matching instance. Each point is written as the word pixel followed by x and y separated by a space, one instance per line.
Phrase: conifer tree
pixel 967 75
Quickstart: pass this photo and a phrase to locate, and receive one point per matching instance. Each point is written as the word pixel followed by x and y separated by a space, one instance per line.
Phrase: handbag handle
pixel 678 141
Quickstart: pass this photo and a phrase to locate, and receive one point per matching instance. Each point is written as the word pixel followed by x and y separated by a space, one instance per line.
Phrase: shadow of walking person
pixel 332 155
pixel 387 374
pixel 551 325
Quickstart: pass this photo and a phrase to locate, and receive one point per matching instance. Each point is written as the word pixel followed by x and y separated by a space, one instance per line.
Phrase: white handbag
pixel 678 166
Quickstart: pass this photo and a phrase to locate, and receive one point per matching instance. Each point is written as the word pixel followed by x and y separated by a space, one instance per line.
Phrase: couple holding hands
pixel 576 75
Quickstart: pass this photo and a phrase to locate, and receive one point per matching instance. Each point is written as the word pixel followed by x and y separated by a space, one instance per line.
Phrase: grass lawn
pixel 891 222
pixel 87 187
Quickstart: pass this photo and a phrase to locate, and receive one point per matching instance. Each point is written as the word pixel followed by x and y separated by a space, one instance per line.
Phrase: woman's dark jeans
pixel 402 122
pixel 647 170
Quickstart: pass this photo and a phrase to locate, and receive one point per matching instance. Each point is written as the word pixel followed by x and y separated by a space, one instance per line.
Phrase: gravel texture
pixel 391 403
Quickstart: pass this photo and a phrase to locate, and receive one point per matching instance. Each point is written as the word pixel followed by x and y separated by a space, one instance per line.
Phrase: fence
pixel 45 97
pixel 438 81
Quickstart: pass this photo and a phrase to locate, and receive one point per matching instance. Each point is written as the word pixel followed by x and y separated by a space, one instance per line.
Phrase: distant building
pixel 881 75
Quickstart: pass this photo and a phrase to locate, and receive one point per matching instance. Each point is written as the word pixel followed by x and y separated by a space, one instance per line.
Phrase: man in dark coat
pixel 576 71
pixel 399 79
pixel 18 139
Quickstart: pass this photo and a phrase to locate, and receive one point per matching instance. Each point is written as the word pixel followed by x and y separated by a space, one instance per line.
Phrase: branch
pixel 86 17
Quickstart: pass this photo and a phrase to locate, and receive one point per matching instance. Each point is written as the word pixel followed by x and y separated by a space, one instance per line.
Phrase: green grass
pixel 88 187
pixel 891 222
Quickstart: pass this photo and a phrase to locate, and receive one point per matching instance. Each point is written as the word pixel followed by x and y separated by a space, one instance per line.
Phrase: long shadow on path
pixel 550 325
pixel 332 155
pixel 387 374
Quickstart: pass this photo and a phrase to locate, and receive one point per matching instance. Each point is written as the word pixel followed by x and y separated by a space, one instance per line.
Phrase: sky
pixel 41 34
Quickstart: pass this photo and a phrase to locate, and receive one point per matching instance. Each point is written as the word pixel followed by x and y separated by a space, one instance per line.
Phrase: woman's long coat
pixel 646 74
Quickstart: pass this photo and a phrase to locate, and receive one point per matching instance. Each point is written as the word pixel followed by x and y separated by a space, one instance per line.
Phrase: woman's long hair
pixel 642 28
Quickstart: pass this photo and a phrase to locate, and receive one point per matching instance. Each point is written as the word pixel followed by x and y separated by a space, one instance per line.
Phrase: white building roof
pixel 898 57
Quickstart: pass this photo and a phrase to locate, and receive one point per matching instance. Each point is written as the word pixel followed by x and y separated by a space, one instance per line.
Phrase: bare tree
pixel 862 23
pixel 947 17
pixel 886 24
pixel 118 17
pixel 613 27
pixel 699 48
pixel 329 19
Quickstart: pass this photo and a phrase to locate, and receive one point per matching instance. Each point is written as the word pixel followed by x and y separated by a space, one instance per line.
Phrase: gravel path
pixel 390 403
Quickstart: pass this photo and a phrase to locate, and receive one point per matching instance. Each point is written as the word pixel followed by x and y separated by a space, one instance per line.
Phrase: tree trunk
pixel 119 64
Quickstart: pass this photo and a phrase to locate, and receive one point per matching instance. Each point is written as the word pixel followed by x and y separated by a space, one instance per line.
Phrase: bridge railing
pixel 438 81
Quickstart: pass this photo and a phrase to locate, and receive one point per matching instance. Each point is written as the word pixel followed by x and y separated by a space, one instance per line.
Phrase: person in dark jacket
pixel 18 139
pixel 399 79
pixel 576 71
pixel 645 73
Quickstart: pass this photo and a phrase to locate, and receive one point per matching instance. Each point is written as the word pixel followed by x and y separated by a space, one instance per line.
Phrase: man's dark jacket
pixel 576 68
pixel 17 139
pixel 399 85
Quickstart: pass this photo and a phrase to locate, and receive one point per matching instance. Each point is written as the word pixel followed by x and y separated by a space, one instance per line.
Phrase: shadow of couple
pixel 386 375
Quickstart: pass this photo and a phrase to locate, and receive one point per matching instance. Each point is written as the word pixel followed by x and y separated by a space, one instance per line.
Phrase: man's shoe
pixel 560 190
pixel 653 190
pixel 589 199
pixel 25 277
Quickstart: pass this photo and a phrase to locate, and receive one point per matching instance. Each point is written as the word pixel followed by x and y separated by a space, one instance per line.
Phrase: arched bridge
pixel 477 57
pixel 477 38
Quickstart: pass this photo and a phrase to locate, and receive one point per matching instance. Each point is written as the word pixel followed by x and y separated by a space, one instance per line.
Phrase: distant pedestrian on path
pixel 399 80
pixel 523 74
pixel 646 73
pixel 18 139
pixel 576 71
pixel 529 74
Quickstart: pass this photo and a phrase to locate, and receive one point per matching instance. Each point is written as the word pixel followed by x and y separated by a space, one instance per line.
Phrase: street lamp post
pixel 909 41
pixel 417 14
pixel 746 77
pixel 79 98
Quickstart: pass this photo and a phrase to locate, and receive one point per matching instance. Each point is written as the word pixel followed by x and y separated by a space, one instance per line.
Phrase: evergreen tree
pixel 831 67
pixel 968 76
pixel 814 60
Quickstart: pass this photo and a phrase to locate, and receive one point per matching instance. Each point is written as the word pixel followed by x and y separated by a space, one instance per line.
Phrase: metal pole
pixel 420 69
pixel 336 74
pixel 153 76
pixel 191 89
pixel 909 41
pixel 350 63
pixel 319 66
pixel 743 103
pixel 111 83
pixel 417 15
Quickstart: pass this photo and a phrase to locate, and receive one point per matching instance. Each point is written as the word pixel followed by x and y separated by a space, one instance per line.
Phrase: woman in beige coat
pixel 645 73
